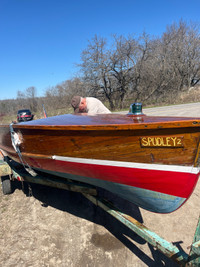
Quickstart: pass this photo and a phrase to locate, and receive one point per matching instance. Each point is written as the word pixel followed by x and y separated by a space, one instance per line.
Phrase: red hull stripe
pixel 176 183
pixel 174 168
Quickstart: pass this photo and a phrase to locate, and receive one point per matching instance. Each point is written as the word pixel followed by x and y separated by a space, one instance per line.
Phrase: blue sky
pixel 42 40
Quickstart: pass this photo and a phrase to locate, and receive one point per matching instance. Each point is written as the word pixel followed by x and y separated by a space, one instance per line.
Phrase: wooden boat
pixel 150 161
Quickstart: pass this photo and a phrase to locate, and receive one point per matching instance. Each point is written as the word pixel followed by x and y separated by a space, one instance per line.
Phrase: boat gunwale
pixel 107 122
pixel 108 127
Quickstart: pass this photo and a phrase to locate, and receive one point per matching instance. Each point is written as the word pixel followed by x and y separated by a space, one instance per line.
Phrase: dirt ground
pixel 50 227
pixel 41 226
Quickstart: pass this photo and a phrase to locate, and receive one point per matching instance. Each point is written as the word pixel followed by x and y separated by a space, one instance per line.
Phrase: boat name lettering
pixel 164 141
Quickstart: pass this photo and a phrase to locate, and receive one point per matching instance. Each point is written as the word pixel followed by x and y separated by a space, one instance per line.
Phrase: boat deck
pixel 110 122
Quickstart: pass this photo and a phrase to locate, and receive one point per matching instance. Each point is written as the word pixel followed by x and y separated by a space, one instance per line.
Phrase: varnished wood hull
pixel 152 162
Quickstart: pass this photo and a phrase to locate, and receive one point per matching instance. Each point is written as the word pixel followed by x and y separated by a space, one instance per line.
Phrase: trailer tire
pixel 6 184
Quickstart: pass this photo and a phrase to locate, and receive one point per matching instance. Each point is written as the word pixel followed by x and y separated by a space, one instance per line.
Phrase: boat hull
pixel 152 162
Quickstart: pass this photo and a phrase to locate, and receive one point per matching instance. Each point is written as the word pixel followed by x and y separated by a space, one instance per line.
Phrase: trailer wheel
pixel 6 185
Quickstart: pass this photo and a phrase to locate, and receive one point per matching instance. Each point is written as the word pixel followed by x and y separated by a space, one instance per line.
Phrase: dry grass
pixel 7 119
pixel 192 95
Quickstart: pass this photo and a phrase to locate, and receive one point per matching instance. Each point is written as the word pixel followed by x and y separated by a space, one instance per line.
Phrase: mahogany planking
pixel 110 137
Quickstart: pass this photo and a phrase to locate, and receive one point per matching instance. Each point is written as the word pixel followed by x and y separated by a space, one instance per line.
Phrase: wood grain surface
pixel 108 137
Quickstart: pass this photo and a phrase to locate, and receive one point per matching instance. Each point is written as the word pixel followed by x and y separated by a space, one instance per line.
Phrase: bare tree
pixel 96 69
pixel 183 53
pixel 111 71
pixel 30 94
pixel 173 61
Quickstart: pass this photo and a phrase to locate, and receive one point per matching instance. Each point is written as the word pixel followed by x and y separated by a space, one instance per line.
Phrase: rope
pixel 15 143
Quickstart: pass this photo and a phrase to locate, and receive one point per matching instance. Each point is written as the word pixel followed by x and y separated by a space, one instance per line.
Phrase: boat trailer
pixel 10 171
